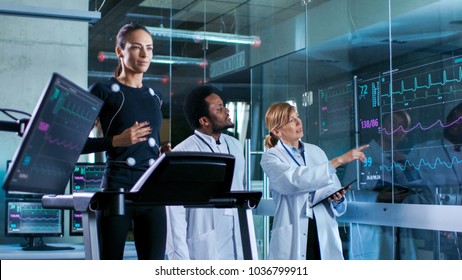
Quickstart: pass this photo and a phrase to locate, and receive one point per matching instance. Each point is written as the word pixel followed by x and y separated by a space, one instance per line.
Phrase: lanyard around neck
pixel 208 145
pixel 292 156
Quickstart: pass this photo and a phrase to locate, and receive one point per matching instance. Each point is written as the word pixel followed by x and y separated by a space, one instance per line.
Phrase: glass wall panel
pixel 426 87
pixel 386 73
pixel 383 73
pixel 418 244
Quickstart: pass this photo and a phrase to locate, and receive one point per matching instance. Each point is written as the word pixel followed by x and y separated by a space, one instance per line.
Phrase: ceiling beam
pixel 116 14
pixel 49 13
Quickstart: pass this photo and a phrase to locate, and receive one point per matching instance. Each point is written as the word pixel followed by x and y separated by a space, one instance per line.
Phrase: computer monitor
pixel 54 138
pixel 76 223
pixel 28 219
pixel 86 177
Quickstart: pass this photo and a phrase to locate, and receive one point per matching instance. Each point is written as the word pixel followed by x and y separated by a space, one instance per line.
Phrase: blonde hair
pixel 277 115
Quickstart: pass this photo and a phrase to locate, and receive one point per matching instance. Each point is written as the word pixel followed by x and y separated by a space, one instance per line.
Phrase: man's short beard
pixel 217 129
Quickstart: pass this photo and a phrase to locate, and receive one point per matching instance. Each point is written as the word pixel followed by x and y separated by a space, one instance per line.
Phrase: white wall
pixel 31 50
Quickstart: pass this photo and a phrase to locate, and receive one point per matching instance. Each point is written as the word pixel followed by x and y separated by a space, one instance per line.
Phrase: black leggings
pixel 149 227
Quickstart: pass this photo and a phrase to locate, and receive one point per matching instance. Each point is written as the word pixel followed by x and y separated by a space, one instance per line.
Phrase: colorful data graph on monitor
pixel 410 118
pixel 31 218
pixel 87 177
pixel 336 109
pixel 54 138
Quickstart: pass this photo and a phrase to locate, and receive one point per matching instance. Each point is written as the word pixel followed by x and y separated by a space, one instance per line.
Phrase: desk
pixel 15 252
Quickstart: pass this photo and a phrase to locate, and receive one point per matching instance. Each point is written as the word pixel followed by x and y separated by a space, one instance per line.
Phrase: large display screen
pixel 54 139
pixel 412 120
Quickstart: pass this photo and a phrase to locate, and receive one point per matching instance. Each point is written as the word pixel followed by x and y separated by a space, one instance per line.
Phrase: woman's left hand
pixel 338 196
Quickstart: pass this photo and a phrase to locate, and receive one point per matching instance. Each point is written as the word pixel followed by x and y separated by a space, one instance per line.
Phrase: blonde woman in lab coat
pixel 299 174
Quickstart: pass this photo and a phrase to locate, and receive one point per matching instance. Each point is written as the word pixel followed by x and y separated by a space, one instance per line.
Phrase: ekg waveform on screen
pixel 424 164
pixel 336 108
pixel 54 138
pixel 87 177
pixel 433 84
pixel 30 217
pixel 429 83
pixel 437 123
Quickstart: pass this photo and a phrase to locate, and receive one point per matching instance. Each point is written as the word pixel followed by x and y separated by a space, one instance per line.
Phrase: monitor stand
pixel 35 243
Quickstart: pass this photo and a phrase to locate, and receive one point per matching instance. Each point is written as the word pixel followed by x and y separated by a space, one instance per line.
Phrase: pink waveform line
pixel 39 219
pixel 81 178
pixel 60 142
pixel 92 180
pixel 419 125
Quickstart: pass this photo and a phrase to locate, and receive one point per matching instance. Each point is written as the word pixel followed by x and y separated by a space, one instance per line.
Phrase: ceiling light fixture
pixel 199 36
pixel 161 59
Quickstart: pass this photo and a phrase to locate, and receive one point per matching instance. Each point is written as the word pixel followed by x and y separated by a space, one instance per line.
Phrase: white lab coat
pixel 207 233
pixel 291 185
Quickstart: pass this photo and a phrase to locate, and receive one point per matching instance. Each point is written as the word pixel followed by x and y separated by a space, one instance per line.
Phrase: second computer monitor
pixel 86 177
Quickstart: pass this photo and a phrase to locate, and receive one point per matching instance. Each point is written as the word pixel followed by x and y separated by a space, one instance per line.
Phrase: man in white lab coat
pixel 207 233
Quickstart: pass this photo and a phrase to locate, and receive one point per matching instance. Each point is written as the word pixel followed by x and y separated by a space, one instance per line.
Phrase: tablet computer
pixel 329 194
